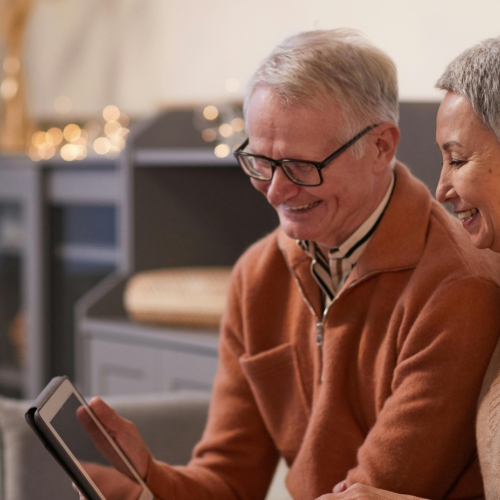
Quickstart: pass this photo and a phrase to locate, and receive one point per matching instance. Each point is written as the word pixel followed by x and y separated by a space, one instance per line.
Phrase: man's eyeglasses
pixel 302 172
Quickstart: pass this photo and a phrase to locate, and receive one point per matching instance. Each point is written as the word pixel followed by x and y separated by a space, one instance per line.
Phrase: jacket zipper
pixel 320 323
pixel 320 339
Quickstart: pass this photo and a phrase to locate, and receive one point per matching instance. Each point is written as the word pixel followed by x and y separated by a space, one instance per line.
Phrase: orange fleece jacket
pixel 389 400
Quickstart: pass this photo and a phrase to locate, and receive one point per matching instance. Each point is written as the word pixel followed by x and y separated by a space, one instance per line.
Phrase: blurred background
pixel 144 54
pixel 117 120
pixel 122 210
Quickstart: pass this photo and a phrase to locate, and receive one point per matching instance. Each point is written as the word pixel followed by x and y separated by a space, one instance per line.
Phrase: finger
pixel 107 415
pixel 340 487
pixel 78 491
pixel 124 433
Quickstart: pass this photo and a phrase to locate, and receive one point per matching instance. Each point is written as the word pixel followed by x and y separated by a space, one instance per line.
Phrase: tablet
pixel 65 423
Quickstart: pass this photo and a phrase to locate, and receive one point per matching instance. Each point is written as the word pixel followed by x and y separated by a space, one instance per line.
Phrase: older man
pixel 357 334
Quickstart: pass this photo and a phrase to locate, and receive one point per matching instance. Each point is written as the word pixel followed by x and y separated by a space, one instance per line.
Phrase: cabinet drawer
pixel 187 371
pixel 123 368
pixel 130 368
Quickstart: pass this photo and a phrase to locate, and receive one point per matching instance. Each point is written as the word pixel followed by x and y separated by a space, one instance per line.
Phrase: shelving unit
pixel 48 215
pixel 186 207
pixel 72 234
pixel 21 277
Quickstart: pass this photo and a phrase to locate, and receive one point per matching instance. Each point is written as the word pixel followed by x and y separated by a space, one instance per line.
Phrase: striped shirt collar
pixel 332 272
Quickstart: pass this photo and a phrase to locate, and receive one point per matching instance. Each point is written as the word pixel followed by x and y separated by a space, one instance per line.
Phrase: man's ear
pixel 386 143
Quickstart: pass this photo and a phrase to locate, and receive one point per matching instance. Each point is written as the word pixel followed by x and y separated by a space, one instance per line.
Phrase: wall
pixel 143 54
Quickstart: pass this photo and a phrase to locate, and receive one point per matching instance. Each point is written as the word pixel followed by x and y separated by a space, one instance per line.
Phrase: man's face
pixel 352 188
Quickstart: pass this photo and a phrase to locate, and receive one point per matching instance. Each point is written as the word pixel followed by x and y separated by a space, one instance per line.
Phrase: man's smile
pixel 298 208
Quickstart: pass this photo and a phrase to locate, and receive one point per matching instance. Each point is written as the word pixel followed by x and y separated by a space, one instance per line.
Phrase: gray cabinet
pixel 182 206
pixel 72 233
pixel 22 350
pixel 59 237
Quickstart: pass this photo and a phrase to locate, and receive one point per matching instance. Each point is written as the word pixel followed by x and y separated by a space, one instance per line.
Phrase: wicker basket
pixel 189 296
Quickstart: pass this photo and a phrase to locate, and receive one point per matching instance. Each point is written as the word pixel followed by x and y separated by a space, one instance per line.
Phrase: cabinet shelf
pixel 91 254
pixel 177 338
pixel 180 157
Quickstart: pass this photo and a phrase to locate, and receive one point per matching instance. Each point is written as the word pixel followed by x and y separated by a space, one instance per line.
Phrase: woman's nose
pixel 445 190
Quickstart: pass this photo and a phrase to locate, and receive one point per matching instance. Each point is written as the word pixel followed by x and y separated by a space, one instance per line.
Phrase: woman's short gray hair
pixel 475 74
pixel 315 67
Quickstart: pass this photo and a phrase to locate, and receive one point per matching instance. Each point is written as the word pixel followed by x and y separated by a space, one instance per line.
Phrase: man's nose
pixel 281 187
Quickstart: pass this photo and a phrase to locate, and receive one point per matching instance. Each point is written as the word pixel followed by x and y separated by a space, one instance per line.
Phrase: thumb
pixel 340 487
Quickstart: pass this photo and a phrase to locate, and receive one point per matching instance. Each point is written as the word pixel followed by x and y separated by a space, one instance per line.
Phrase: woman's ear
pixel 386 142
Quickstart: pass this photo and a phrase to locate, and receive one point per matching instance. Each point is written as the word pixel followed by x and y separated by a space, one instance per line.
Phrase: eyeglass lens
pixel 301 172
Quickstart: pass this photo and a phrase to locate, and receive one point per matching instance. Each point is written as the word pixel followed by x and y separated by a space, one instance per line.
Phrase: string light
pixel 73 142
pixel 209 135
pixel 225 130
pixel 111 113
pixel 222 150
pixel 210 112
pixel 238 124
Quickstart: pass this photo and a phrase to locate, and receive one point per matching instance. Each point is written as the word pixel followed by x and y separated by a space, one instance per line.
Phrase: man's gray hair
pixel 315 67
pixel 475 74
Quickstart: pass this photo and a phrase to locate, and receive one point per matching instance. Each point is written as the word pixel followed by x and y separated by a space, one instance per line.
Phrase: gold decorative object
pixel 15 126
pixel 193 297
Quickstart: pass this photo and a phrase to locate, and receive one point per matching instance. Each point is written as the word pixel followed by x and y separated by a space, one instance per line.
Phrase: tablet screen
pixel 77 432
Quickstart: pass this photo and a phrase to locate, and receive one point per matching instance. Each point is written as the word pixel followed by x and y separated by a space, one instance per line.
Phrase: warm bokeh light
pixel 69 152
pixel 54 136
pixel 232 85
pixel 63 104
pixel 209 135
pixel 46 151
pixel 225 130
pixel 38 138
pixel 9 88
pixel 123 132
pixel 112 127
pixel 102 146
pixel 238 124
pixel 113 152
pixel 222 150
pixel 111 113
pixel 124 120
pixel 118 141
pixel 72 132
pixel 33 153
pixel 210 112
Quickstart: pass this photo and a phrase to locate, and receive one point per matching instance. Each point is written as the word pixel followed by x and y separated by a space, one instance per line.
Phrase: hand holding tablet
pixel 79 442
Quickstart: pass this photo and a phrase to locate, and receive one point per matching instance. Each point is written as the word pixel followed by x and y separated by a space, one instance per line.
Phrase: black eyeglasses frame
pixel 279 163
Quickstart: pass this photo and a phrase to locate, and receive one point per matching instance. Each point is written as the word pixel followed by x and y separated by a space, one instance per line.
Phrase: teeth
pixel 303 207
pixel 468 214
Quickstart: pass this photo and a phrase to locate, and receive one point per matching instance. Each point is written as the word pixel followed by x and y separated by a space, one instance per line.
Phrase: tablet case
pixel 80 481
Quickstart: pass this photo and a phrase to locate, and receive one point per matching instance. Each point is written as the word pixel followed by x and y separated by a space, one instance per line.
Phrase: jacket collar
pixel 397 243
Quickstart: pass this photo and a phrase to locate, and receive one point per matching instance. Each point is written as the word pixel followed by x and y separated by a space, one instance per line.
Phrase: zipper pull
pixel 319 333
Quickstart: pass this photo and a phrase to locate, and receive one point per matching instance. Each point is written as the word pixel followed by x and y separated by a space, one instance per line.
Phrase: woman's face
pixel 470 176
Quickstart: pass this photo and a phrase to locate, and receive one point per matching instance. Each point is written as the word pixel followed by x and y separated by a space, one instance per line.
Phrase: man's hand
pixel 111 483
pixel 362 492
pixel 122 431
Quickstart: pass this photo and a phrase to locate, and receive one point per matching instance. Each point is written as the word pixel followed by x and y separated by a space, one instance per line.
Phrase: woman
pixel 468 134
